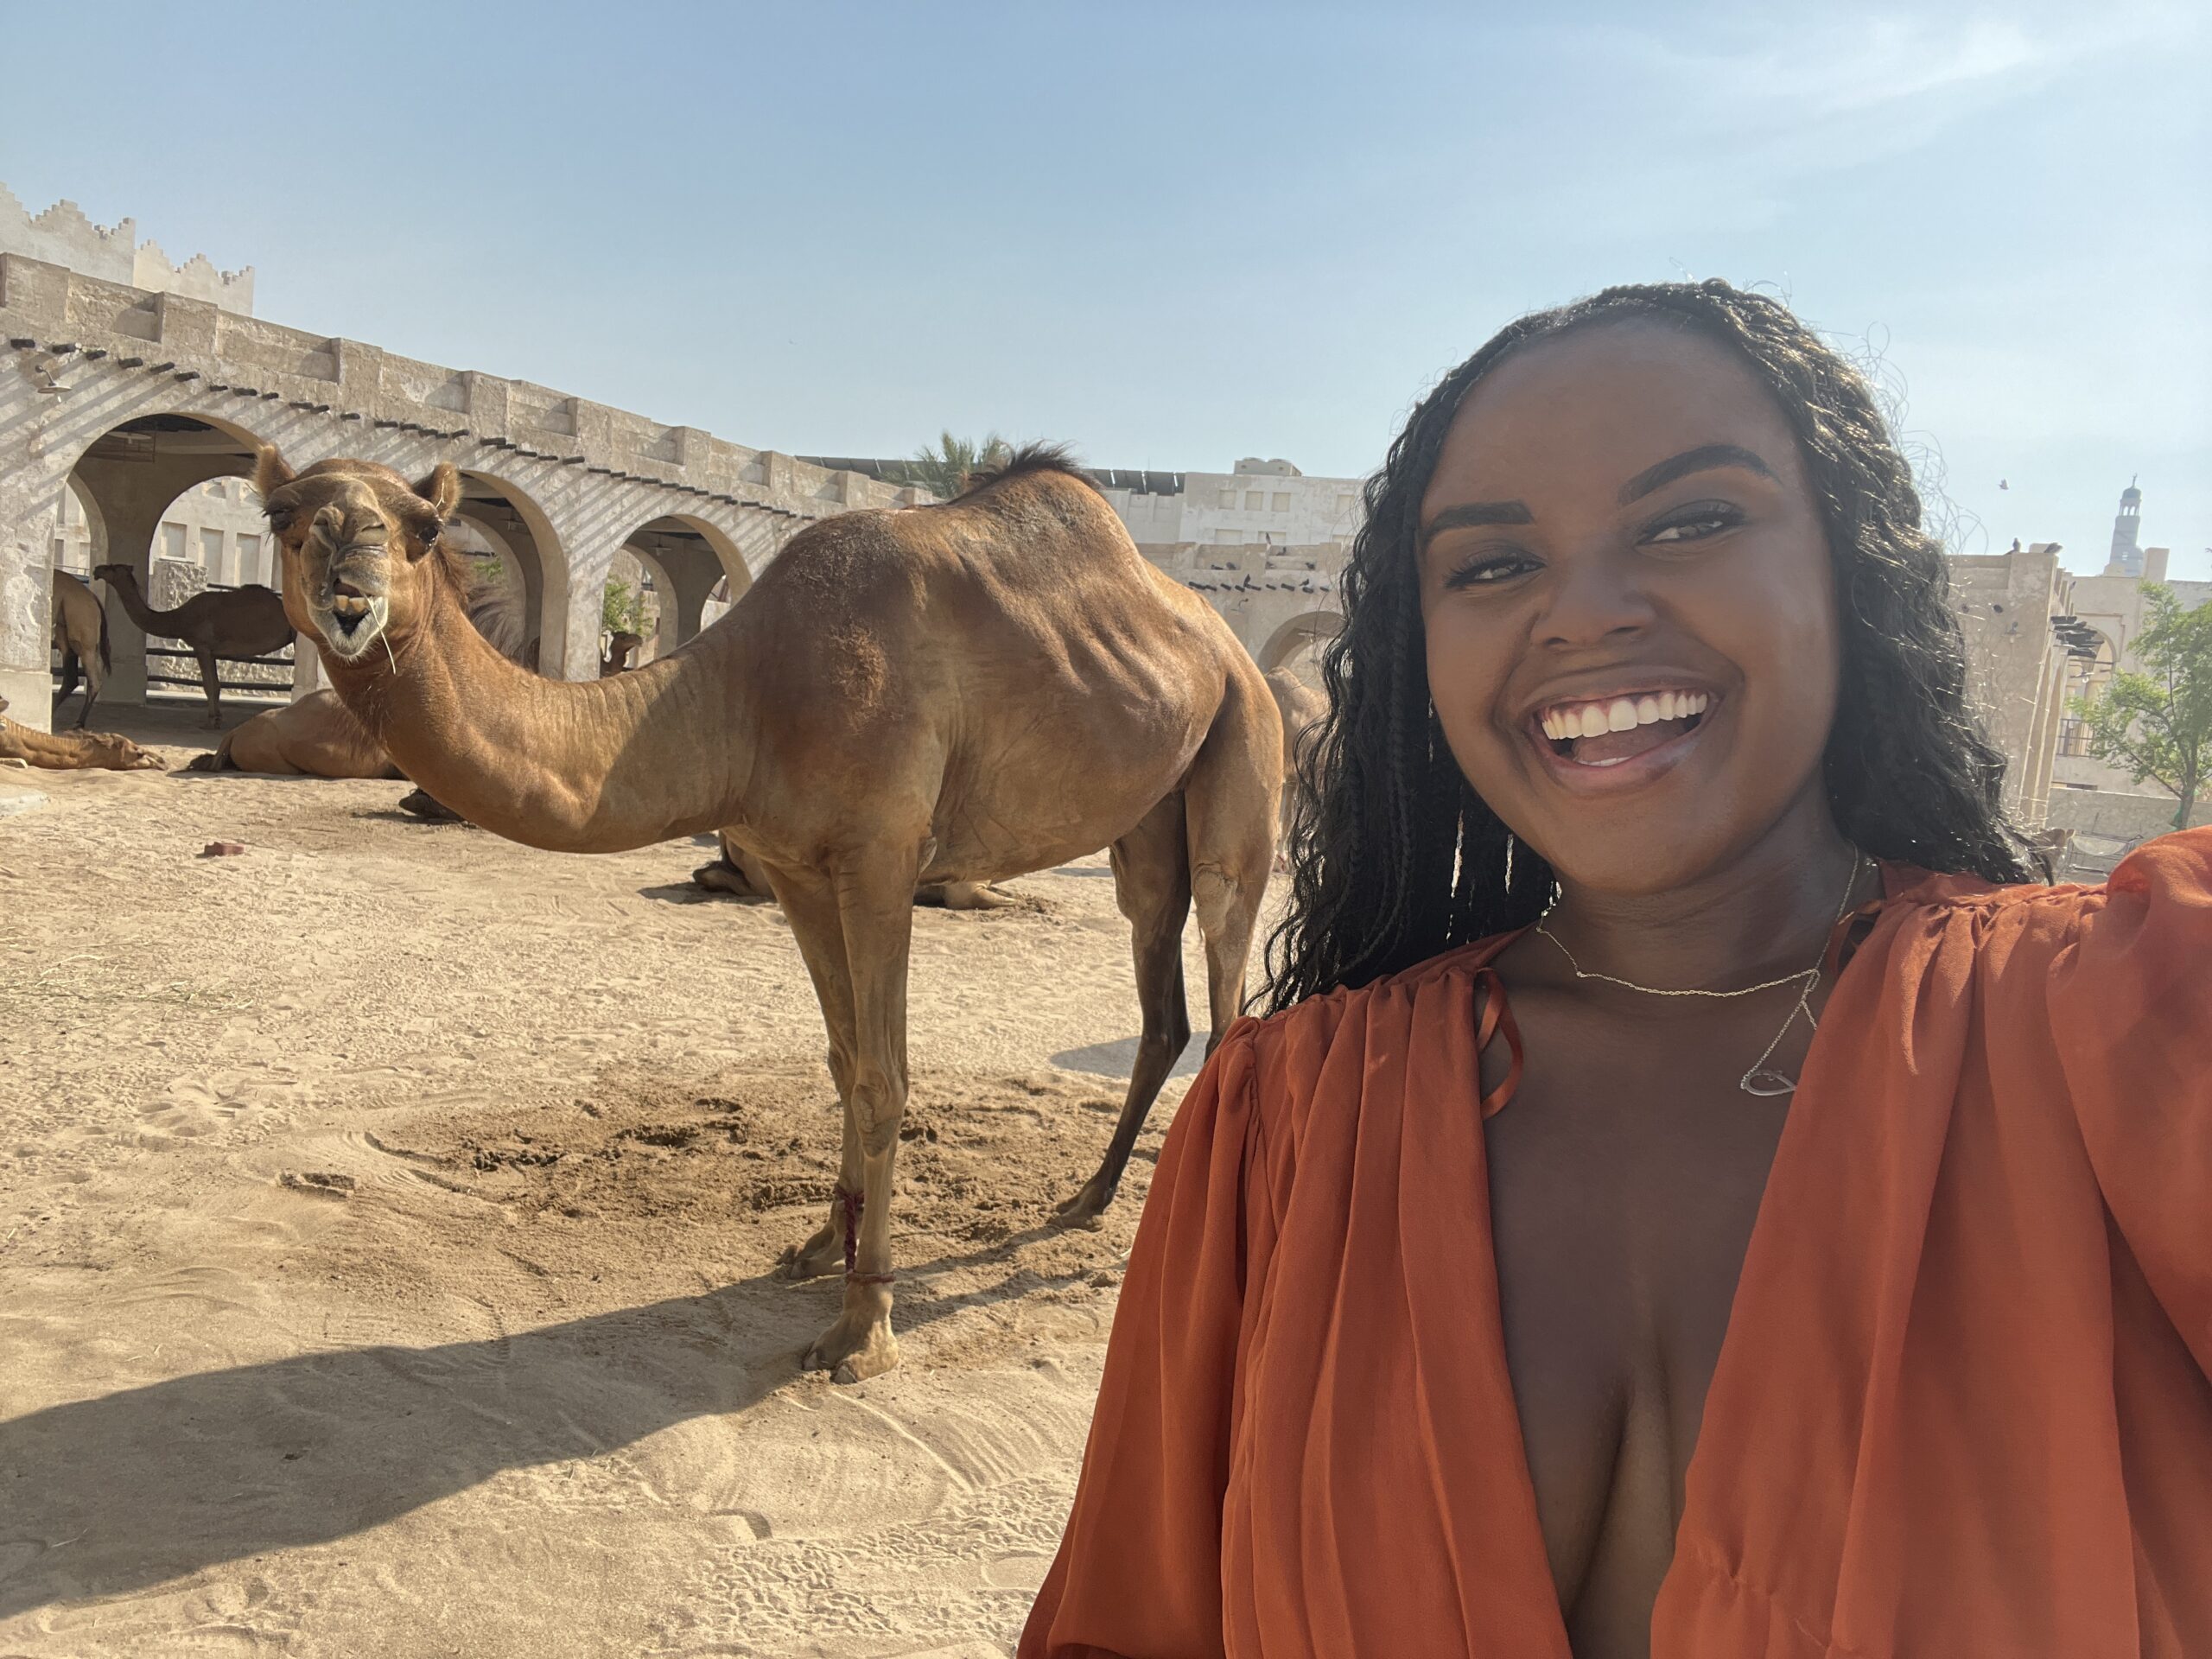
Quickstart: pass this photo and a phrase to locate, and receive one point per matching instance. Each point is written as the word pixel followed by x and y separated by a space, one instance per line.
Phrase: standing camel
pixel 80 635
pixel 72 751
pixel 239 622
pixel 1303 708
pixel 967 691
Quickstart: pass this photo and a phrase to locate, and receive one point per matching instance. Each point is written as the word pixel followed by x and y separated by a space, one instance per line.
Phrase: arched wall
pixel 1309 628
pixel 128 498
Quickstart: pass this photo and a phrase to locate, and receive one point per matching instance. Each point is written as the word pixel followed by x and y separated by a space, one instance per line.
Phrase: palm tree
pixel 945 468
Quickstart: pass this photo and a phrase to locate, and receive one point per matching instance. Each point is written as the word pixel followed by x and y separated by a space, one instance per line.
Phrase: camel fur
pixel 967 691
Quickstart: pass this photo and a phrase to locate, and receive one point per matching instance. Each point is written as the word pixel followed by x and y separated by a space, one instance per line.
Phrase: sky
pixel 1181 234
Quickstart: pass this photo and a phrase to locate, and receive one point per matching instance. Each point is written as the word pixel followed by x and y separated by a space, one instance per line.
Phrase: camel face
pixel 354 537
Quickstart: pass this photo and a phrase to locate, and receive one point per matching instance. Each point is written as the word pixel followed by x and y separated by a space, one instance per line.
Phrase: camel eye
pixel 431 536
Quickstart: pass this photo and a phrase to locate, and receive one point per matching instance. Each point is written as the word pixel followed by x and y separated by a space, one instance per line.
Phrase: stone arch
pixel 694 558
pixel 511 518
pixel 130 477
pixel 1308 630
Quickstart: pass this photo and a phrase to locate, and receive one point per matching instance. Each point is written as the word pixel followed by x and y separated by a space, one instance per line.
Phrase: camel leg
pixel 70 675
pixel 811 909
pixel 210 682
pixel 876 904
pixel 1232 797
pixel 1152 880
pixel 95 677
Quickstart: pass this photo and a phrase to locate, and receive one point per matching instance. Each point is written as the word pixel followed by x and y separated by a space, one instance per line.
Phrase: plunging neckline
pixel 1495 1018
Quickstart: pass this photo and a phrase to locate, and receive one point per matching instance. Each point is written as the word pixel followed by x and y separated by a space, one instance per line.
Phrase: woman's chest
pixel 1625 1182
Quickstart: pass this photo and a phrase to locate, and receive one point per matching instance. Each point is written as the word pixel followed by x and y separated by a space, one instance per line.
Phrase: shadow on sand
pixel 105 1496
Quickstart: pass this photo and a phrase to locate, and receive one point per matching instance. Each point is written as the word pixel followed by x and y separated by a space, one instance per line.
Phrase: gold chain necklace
pixel 1769 1083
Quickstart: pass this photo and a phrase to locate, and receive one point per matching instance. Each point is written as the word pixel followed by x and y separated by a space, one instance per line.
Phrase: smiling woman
pixel 1534 1281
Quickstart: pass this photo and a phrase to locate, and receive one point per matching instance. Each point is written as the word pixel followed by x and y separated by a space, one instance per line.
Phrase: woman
pixel 1648 748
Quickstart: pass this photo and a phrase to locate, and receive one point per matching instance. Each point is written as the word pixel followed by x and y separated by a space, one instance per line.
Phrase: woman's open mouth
pixel 1587 737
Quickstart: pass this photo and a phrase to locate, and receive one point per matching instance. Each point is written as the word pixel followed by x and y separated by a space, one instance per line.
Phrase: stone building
pixel 118 401
pixel 1258 504
pixel 2039 643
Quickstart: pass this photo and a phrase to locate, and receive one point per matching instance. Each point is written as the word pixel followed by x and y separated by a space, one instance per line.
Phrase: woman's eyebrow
pixel 1701 459
pixel 1475 512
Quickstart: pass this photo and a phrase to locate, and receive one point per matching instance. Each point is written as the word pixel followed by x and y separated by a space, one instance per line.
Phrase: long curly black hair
pixel 1395 858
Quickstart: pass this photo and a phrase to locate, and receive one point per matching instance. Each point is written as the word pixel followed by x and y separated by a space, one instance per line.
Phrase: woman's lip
pixel 1622 775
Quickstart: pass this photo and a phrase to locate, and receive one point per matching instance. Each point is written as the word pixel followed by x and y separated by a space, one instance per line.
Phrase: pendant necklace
pixel 1762 1080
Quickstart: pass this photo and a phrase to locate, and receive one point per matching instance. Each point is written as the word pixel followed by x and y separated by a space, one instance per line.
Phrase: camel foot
pixel 210 761
pixel 859 1346
pixel 1088 1207
pixel 722 876
pixel 962 895
pixel 423 805
pixel 820 1253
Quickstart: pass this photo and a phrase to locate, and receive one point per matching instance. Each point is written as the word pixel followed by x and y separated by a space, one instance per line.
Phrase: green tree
pixel 2158 723
pixel 622 611
pixel 945 468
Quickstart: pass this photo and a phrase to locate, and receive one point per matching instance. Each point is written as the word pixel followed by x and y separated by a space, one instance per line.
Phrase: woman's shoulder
pixel 2169 878
pixel 1324 1048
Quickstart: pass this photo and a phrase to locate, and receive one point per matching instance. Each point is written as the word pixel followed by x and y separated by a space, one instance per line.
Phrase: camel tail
pixel 107 662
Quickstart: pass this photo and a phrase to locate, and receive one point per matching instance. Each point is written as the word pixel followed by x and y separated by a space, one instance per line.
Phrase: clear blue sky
pixel 1181 234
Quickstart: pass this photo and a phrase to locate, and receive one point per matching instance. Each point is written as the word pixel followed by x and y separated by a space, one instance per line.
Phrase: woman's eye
pixel 1695 523
pixel 1481 572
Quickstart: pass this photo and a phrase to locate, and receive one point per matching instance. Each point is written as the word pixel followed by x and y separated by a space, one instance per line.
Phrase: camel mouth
pixel 351 622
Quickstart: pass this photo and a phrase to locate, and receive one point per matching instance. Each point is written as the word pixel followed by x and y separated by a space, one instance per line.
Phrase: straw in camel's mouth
pixel 352 619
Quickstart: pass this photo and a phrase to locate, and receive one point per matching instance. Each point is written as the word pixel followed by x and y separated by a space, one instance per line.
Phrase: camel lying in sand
pixel 72 751
pixel 965 691
pixel 738 873
pixel 315 737
pixel 236 623
pixel 80 635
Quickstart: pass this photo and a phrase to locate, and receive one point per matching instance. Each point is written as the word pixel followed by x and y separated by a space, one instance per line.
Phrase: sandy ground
pixel 388 1216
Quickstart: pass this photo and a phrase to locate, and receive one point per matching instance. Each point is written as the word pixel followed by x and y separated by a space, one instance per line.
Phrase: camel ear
pixel 270 472
pixel 442 489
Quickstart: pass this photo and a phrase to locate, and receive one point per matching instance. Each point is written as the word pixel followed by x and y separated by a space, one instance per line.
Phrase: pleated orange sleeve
pixel 1139 1572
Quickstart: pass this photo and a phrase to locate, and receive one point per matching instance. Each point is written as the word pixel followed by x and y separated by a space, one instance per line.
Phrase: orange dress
pixel 1961 1412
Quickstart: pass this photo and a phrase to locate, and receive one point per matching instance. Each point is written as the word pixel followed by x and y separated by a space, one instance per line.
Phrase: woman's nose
pixel 1594 599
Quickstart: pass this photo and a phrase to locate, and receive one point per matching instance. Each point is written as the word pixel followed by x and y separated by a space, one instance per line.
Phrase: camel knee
pixel 1216 896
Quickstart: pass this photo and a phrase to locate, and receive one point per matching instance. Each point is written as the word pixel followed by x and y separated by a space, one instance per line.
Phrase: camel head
pixel 360 547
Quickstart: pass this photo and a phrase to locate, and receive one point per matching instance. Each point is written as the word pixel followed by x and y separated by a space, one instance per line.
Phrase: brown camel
pixel 738 873
pixel 318 737
pixel 315 737
pixel 967 691
pixel 80 635
pixel 621 646
pixel 1302 709
pixel 238 623
pixel 72 751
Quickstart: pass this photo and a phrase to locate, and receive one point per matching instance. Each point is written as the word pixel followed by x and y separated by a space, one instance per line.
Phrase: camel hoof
pixel 811 1260
pixel 208 762
pixel 1087 1208
pixel 851 1355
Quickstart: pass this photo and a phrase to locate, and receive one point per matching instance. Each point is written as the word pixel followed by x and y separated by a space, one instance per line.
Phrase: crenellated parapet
pixel 63 235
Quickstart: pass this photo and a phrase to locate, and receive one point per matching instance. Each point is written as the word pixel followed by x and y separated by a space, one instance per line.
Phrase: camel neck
pixel 595 766
pixel 140 610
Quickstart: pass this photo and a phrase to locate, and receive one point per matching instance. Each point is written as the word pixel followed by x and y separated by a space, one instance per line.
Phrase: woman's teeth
pixel 1567 721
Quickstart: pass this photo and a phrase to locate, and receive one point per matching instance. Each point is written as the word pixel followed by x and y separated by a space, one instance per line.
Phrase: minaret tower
pixel 2126 554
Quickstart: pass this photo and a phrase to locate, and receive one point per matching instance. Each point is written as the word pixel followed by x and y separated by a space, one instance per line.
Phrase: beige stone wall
pixel 2015 666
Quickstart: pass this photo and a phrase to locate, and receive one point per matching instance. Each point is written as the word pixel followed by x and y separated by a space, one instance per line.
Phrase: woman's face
pixel 1629 606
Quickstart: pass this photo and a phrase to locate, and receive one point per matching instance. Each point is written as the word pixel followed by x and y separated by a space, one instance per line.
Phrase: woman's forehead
pixel 1612 397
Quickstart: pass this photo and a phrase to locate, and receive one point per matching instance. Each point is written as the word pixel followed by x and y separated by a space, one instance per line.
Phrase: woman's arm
pixel 2131 1005
pixel 1139 1571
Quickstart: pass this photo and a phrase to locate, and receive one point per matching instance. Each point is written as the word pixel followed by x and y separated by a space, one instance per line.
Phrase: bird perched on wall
pixel 41 366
